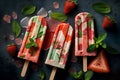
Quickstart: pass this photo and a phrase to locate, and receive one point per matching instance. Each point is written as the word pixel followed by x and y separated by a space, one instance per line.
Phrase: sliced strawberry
pixel 100 64
pixel 107 22
pixel 69 5
pixel 11 49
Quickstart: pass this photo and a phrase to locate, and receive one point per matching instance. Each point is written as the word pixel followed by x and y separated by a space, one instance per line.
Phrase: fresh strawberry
pixel 107 22
pixel 100 64
pixel 69 5
pixel 11 49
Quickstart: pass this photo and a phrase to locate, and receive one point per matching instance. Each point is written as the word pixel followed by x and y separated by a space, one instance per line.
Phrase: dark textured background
pixel 8 69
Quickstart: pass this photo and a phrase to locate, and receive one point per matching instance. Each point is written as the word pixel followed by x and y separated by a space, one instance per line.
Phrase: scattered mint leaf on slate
pixel 77 75
pixel 98 42
pixel 88 75
pixel 42 75
pixel 91 48
pixel 16 29
pixel 58 16
pixel 28 9
pixel 101 7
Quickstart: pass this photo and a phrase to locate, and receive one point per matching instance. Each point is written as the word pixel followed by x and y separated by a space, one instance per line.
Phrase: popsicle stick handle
pixel 84 63
pixel 24 69
pixel 53 73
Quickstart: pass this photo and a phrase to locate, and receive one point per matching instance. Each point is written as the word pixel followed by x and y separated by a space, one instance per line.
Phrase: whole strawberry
pixel 69 5
pixel 108 22
pixel 11 49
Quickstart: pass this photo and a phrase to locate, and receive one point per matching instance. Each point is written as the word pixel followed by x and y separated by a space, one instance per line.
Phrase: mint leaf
pixel 79 33
pixel 58 16
pixel 111 50
pixel 28 45
pixel 34 44
pixel 104 45
pixel 101 7
pixel 77 75
pixel 40 34
pixel 90 23
pixel 28 9
pixel 91 48
pixel 16 29
pixel 42 75
pixel 31 40
pixel 101 37
pixel 79 22
pixel 88 75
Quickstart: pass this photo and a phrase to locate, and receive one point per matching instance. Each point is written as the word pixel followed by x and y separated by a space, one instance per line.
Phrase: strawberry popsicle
pixel 33 39
pixel 84 36
pixel 58 52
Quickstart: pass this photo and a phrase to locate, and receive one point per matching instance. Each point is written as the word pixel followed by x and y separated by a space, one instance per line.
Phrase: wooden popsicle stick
pixel 24 69
pixel 84 63
pixel 53 73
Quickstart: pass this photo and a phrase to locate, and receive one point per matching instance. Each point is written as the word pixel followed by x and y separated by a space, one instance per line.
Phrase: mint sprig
pixel 88 75
pixel 98 42
pixel 42 75
pixel 32 43
pixel 77 75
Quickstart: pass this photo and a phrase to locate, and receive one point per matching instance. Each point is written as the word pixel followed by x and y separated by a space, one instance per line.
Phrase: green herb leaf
pixel 79 22
pixel 101 7
pixel 79 33
pixel 77 75
pixel 16 29
pixel 34 44
pixel 28 9
pixel 104 45
pixel 22 56
pixel 91 48
pixel 88 75
pixel 90 23
pixel 101 38
pixel 28 45
pixel 42 75
pixel 58 16
pixel 40 34
pixel 31 40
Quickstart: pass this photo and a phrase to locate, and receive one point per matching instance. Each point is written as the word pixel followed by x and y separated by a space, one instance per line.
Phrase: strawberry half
pixel 11 49
pixel 99 64
pixel 69 5
pixel 108 22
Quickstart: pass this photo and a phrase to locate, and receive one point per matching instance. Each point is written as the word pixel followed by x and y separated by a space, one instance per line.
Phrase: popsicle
pixel 58 52
pixel 32 42
pixel 84 36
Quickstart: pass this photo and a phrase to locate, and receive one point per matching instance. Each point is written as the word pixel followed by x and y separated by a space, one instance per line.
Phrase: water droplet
pixel 7 18
pixel 42 12
pixel 14 15
pixel 24 22
pixel 56 5
pixel 18 41
pixel 11 37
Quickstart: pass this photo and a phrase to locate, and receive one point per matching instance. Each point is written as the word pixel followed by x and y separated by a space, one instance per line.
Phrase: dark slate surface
pixel 8 69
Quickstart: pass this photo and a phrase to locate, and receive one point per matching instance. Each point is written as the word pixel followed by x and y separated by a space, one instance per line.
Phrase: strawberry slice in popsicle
pixel 58 52
pixel 32 42
pixel 84 36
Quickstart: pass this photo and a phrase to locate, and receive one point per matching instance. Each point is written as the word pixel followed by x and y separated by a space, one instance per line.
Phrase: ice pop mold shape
pixel 84 35
pixel 58 52
pixel 35 32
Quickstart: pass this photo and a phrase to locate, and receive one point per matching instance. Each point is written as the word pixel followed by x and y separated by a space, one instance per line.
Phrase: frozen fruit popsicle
pixel 84 36
pixel 32 42
pixel 58 52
